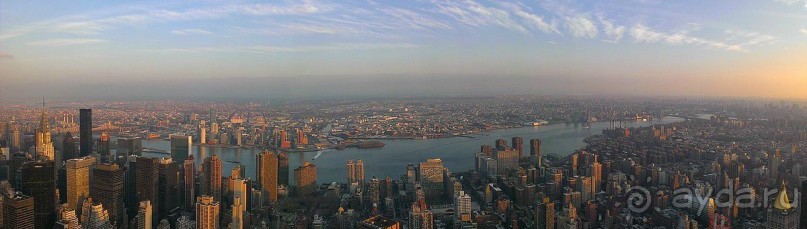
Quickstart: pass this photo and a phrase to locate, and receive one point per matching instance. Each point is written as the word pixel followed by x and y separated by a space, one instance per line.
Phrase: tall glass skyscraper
pixel 85 131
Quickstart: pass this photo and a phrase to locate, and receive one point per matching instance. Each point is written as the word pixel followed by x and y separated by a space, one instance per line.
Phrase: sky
pixel 257 49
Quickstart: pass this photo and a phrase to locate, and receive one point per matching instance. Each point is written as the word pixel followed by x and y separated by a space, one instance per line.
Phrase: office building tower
pixel 240 192
pixel 535 152
pixel 305 177
pixel 69 149
pixel 38 181
pixel 420 217
pixel 267 171
pixel 596 175
pixel 781 214
pixel 237 216
pixel 518 145
pixel 14 164
pixel 545 214
pixel 207 212
pixel 103 148
pixel 147 175
pixel 168 188
pixel 501 144
pixel 301 138
pixel 145 215
pixel 487 150
pixel 506 161
pixel 128 147
pixel 44 144
pixel 774 162
pixel 67 218
pixel 189 183
pixel 285 143
pixel 18 211
pixel 202 133
pixel 107 189
pixel 85 132
pixel 180 147
pixel 803 205
pixel 282 170
pixel 375 191
pixel 431 178
pixel 14 137
pixel 355 172
pixel 211 177
pixel 93 215
pixel 78 179
pixel 462 205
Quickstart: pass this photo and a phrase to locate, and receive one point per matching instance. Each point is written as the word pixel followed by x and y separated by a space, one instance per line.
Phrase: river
pixel 391 160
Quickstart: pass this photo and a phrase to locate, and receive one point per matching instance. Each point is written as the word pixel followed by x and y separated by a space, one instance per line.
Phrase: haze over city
pixel 245 49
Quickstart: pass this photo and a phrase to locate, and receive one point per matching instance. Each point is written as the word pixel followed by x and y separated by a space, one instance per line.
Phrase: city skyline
pixel 362 48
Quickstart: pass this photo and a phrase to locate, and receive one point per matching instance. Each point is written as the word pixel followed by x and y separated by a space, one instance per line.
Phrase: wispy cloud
pixel 613 32
pixel 804 31
pixel 414 19
pixel 190 31
pixel 269 49
pixel 533 20
pixel 93 24
pixel 66 42
pixel 736 40
pixel 473 14
pixel 581 26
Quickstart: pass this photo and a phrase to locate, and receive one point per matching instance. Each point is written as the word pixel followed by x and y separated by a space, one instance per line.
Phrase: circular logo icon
pixel 638 199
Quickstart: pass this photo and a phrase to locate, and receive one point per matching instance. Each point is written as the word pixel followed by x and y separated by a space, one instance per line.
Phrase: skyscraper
pixel 38 181
pixel 180 147
pixel 535 152
pixel 168 188
pixel 501 144
pixel 189 183
pixel 78 179
pixel 85 132
pixel 431 178
pixel 69 150
pixel 44 144
pixel 375 191
pixel 803 204
pixel 107 189
pixel 146 180
pixel 129 146
pixel 202 133
pixel 268 175
pixel 207 212
pixel 237 216
pixel 420 217
pixel 144 215
pixel 506 160
pixel 18 211
pixel 518 145
pixel 305 177
pixel 282 169
pixel 782 215
pixel 355 172
pixel 211 181
pixel 545 214
pixel 463 207
pixel 103 148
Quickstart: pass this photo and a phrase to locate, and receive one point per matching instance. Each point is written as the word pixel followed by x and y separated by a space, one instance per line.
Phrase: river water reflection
pixel 391 160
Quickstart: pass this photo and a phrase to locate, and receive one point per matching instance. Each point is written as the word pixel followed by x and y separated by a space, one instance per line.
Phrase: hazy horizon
pixel 309 49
